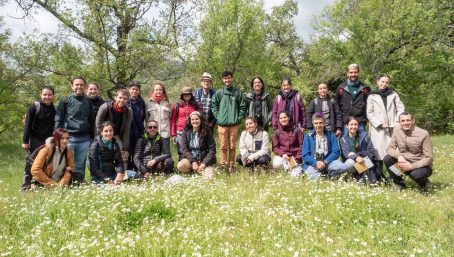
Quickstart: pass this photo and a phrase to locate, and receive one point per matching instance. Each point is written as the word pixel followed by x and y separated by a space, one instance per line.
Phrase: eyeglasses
pixel 152 127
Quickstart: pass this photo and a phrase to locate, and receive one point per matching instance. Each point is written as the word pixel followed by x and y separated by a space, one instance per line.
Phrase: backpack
pixel 236 92
pixel 31 158
pixel 279 98
pixel 37 108
pixel 278 132
pixel 316 101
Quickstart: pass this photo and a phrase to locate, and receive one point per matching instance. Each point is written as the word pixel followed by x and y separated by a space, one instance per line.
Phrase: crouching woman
pixel 197 147
pixel 254 145
pixel 106 163
pixel 55 161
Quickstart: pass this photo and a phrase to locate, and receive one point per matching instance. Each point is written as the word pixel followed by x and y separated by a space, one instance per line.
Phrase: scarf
pixel 257 104
pixel 383 93
pixel 118 109
pixel 288 100
pixel 158 99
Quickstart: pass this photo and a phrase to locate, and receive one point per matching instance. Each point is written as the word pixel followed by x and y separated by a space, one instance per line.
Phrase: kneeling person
pixel 106 162
pixel 321 151
pixel 151 155
pixel 254 145
pixel 198 147
pixel 410 149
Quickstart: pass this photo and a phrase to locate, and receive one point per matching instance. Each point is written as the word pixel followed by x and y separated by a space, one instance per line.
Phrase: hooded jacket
pixel 105 162
pixel 42 173
pixel 350 106
pixel 180 116
pixel 228 106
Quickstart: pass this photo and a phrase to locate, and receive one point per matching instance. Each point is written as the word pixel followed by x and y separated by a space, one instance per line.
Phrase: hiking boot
pixel 426 188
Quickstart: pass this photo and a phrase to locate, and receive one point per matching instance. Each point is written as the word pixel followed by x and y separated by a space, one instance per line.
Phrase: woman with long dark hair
pixel 259 103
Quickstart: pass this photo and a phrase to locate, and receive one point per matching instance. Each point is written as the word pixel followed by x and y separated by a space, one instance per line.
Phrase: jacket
pixel 105 162
pixel 335 116
pixel 39 125
pixel 287 140
pixel 297 112
pixel 414 145
pixel 74 114
pixel 148 149
pixel 366 148
pixel 180 116
pixel 309 148
pixel 96 102
pixel 43 173
pixel 228 106
pixel 377 114
pixel 139 111
pixel 254 145
pixel 198 99
pixel 106 113
pixel 353 107
pixel 266 104
pixel 207 147
pixel 160 112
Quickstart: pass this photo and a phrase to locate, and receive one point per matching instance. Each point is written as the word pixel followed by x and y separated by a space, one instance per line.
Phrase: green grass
pixel 267 214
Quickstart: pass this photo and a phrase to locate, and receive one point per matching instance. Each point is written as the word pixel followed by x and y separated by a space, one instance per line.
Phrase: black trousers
pixel 261 161
pixel 34 143
pixel 419 175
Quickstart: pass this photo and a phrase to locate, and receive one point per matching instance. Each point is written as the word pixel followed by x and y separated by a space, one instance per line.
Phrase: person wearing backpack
pixel 74 113
pixel 151 156
pixel 259 103
pixel 54 162
pixel 290 101
pixel 180 113
pixel 351 96
pixel 203 97
pixel 38 126
pixel 229 108
pixel 287 140
pixel 328 106
pixel 106 162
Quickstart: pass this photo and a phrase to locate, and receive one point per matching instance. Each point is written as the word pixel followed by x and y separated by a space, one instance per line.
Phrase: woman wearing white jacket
pixel 383 109
pixel 254 145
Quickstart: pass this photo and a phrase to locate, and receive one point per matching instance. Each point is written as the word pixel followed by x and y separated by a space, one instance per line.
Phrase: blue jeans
pixel 334 168
pixel 79 146
pixel 129 173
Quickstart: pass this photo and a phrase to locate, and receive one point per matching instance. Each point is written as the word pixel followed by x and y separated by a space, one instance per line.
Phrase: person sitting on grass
pixel 287 141
pixel 321 151
pixel 151 156
pixel 356 147
pixel 198 147
pixel 55 161
pixel 106 162
pixel 254 145
pixel 410 152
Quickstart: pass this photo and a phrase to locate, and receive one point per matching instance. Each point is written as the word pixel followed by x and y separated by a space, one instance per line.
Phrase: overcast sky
pixel 46 23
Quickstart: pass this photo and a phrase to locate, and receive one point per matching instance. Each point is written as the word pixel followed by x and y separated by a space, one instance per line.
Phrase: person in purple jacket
pixel 290 101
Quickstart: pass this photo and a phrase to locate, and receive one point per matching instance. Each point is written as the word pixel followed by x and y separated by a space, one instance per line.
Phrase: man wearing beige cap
pixel 203 97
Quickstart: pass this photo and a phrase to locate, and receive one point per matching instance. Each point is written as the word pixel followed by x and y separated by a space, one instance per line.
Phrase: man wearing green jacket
pixel 229 108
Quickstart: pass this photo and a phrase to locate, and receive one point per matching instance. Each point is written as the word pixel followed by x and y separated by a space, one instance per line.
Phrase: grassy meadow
pixel 266 214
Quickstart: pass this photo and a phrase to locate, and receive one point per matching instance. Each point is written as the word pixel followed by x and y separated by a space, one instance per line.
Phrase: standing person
pixel 55 161
pixel 198 147
pixel 160 110
pixel 351 96
pixel 254 145
pixel 287 141
pixel 75 114
pixel 229 108
pixel 290 101
pixel 106 162
pixel 117 113
pixel 139 109
pixel 321 151
pixel 383 110
pixel 151 155
pixel 410 149
pixel 180 114
pixel 356 146
pixel 96 101
pixel 203 97
pixel 38 126
pixel 328 106
pixel 259 103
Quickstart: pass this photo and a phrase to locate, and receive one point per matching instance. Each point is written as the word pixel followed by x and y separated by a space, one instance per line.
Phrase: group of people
pixel 130 137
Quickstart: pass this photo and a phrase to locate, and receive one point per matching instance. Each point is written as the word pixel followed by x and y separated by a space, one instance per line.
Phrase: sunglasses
pixel 152 127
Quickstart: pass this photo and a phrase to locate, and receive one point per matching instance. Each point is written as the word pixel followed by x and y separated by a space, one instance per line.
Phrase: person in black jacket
pixel 38 126
pixel 106 164
pixel 151 155
pixel 351 96
pixel 198 147
pixel 96 101
pixel 328 106
pixel 139 110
